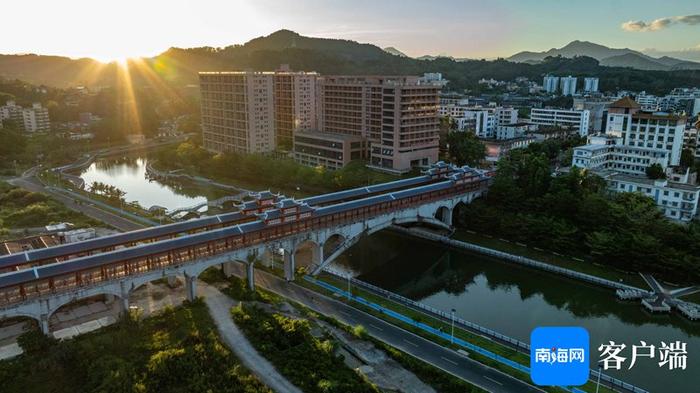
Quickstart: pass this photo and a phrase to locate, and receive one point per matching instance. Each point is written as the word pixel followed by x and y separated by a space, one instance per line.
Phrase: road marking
pixel 344 312
pixel 493 380
pixel 410 342
pixel 376 327
pixel 448 360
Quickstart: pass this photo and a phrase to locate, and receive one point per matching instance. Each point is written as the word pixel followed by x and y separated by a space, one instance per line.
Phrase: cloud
pixel 661 23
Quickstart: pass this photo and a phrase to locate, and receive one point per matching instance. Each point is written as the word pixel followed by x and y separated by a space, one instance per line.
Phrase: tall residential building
pixel 550 84
pixel 590 85
pixel 578 120
pixel 398 115
pixel 505 115
pixel 567 85
pixel 256 112
pixel 34 119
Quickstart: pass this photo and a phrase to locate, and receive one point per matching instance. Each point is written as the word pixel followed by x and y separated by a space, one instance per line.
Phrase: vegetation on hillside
pixel 327 56
pixel 20 208
pixel 574 213
pixel 175 351
pixel 310 363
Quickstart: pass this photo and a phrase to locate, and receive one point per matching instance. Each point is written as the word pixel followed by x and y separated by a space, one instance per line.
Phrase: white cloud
pixel 661 23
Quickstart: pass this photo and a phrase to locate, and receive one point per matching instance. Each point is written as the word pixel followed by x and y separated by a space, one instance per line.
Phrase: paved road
pixel 31 183
pixel 220 310
pixel 446 359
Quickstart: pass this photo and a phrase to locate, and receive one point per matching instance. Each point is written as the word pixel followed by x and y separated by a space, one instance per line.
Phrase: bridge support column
pixel 227 268
pixel 124 300
pixel 191 287
pixel 172 281
pixel 250 275
pixel 44 324
pixel 447 216
pixel 289 265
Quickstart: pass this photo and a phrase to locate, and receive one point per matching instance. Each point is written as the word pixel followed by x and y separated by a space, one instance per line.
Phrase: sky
pixel 113 30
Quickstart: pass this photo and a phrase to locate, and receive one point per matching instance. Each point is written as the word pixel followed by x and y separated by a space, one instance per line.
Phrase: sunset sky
pixel 475 29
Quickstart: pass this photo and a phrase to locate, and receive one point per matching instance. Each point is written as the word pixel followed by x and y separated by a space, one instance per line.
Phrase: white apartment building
pixel 678 201
pixel 608 152
pixel 550 83
pixel 578 120
pixel 505 115
pixel 651 130
pixel 511 131
pixel 635 140
pixel 590 85
pixel 647 102
pixel 34 119
pixel 567 85
pixel 479 120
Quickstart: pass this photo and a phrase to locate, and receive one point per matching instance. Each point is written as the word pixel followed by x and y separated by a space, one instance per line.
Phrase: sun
pixel 120 59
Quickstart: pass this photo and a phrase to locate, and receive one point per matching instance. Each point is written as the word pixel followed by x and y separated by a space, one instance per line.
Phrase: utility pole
pixel 452 335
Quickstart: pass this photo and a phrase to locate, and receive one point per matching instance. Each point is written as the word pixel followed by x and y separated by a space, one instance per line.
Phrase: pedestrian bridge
pixel 39 282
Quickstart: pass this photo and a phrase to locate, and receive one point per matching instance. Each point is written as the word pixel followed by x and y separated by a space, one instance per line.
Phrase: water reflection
pixel 129 175
pixel 513 300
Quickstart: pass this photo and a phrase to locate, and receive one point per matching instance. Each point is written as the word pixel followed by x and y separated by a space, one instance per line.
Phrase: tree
pixel 655 171
pixel 687 158
pixel 465 148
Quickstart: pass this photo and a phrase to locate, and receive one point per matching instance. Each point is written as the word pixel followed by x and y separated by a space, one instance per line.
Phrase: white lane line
pixel 376 327
pixel 493 380
pixel 410 342
pixel 344 312
pixel 448 360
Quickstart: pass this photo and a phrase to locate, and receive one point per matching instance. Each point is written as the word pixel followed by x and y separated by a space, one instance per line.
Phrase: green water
pixel 513 300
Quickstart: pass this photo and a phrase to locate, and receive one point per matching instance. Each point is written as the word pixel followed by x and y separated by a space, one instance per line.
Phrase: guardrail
pixel 512 342
pixel 523 260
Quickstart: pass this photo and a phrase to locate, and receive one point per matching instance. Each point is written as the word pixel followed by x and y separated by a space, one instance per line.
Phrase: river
pixel 129 175
pixel 513 300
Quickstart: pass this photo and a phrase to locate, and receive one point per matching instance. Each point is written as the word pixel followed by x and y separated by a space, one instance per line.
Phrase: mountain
pixel 394 51
pixel 611 57
pixel 633 60
pixel 178 67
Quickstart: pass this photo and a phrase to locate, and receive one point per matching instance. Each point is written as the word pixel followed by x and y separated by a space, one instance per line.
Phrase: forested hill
pixel 327 56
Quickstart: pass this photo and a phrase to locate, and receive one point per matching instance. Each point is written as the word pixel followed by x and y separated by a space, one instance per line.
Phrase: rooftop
pixel 625 103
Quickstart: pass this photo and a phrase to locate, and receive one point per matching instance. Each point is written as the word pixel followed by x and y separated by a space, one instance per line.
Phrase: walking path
pixel 219 306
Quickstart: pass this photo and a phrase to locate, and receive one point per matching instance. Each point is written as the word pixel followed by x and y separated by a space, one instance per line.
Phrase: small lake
pixel 129 175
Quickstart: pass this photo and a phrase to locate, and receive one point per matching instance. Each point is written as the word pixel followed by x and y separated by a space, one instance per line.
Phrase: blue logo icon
pixel 559 356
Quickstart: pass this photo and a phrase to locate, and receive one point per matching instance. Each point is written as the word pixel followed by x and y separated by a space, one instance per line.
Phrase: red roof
pixel 625 102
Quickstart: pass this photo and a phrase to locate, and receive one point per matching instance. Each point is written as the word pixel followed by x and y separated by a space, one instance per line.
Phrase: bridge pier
pixel 44 324
pixel 289 265
pixel 191 287
pixel 250 275
pixel 447 216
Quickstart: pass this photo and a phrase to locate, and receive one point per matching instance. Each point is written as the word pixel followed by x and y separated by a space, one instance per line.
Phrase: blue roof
pixel 11 260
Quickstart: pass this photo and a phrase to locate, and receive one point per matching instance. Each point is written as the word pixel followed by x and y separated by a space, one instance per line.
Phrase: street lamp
pixel 348 277
pixel 598 384
pixel 452 335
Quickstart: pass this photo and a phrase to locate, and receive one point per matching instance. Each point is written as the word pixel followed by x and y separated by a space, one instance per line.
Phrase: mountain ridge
pixel 612 57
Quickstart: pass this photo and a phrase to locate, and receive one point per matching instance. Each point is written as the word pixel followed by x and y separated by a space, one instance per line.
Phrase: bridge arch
pixel 372 228
pixel 444 214
pixel 308 254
